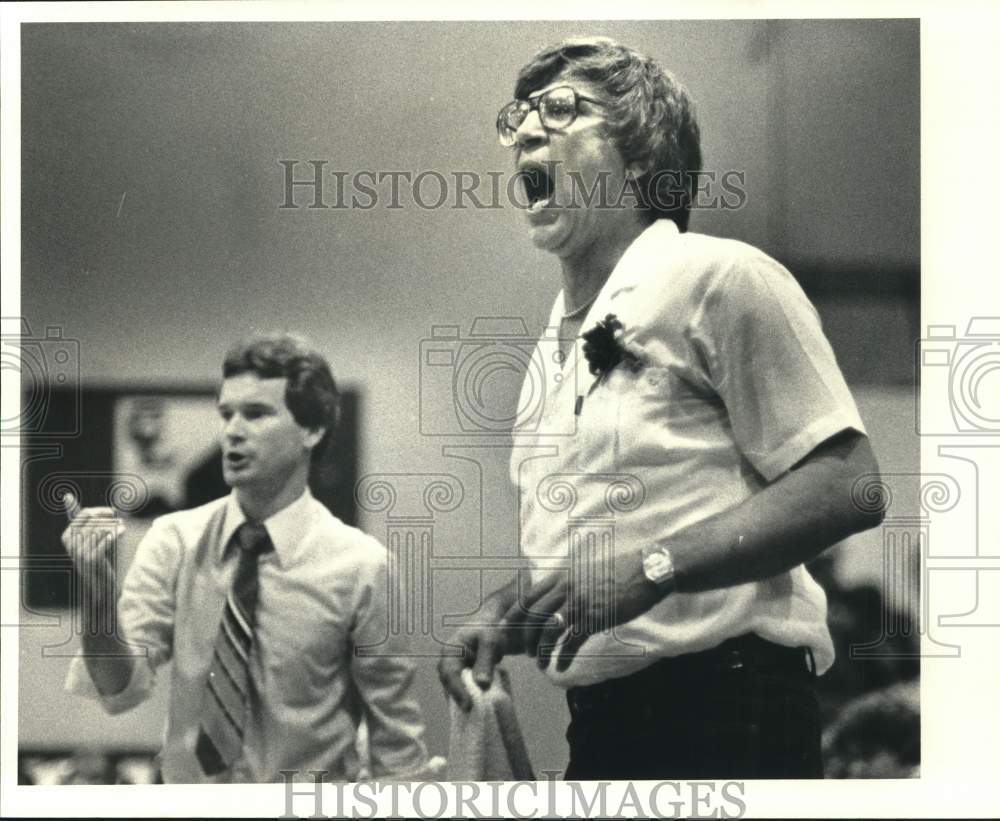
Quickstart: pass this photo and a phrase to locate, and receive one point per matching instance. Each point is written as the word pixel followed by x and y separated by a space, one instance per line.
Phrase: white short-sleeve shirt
pixel 737 383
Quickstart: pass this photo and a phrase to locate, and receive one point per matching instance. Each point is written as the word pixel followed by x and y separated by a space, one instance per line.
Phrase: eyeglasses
pixel 557 108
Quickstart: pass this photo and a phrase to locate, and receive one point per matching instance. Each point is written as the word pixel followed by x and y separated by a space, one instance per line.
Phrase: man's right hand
pixel 90 537
pixel 483 645
pixel 92 534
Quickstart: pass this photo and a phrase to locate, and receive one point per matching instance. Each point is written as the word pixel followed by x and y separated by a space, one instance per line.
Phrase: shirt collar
pixel 285 528
pixel 639 260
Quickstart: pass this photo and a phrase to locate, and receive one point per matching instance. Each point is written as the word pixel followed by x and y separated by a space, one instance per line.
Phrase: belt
pixel 746 651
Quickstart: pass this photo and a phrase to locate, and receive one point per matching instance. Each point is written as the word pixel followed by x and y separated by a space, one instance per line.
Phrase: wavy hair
pixel 650 116
pixel 310 393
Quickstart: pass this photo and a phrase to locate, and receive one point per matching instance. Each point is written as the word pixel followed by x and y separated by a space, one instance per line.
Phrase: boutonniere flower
pixel 603 348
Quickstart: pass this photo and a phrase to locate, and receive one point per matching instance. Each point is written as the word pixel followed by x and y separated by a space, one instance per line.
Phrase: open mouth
pixel 236 460
pixel 538 183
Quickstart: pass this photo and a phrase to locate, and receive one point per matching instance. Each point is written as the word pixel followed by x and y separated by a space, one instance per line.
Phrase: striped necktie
pixel 227 690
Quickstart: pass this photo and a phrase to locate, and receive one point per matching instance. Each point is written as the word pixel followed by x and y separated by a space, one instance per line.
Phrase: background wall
pixel 152 234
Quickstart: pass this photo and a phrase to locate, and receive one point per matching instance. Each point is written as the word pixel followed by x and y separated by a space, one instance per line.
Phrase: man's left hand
pixel 591 598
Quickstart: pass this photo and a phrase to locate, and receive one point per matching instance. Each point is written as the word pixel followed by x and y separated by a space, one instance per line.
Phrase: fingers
pixel 519 624
pixel 539 590
pixel 84 543
pixel 71 504
pixel 74 509
pixel 553 627
pixel 544 629
pixel 531 617
pixel 482 649
pixel 94 516
pixel 525 604
pixel 569 649
pixel 92 531
pixel 482 670
pixel 513 638
pixel 450 673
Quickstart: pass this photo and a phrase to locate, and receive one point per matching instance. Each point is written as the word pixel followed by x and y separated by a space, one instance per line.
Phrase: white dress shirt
pixel 322 598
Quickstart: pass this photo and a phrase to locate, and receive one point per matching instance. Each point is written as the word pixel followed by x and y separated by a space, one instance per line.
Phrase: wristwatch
pixel 658 567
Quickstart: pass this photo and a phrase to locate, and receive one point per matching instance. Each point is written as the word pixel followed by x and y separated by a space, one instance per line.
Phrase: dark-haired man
pixel 716 449
pixel 258 599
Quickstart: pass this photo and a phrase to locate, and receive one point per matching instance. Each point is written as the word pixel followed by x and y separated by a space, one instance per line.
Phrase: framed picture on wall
pixel 144 451
pixel 163 448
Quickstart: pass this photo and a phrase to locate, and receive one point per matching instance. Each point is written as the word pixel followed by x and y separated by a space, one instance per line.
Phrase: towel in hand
pixel 486 742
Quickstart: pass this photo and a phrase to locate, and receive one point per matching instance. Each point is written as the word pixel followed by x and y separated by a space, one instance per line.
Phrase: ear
pixel 312 436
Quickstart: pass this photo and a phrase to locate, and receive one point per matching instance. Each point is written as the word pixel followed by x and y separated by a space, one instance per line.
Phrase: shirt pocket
pixel 640 411
pixel 662 417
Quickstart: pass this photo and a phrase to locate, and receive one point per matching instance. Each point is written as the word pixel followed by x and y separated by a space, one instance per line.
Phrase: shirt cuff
pixel 801 445
pixel 79 682
pixel 430 769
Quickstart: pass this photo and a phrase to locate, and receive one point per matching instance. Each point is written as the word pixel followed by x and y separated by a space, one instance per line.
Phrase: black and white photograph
pixel 494 416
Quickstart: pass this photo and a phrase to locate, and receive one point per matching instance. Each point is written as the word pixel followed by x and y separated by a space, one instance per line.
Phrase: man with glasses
pixel 711 427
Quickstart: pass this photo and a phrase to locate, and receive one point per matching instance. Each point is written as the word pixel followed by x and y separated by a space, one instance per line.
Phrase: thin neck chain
pixel 582 309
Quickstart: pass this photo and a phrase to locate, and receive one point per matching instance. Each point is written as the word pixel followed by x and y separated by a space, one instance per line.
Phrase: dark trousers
pixel 743 710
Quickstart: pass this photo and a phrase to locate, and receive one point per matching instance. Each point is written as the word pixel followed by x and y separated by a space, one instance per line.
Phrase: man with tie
pixel 271 610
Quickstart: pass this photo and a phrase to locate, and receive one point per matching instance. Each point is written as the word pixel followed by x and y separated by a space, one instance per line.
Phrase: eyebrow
pixel 534 94
pixel 266 406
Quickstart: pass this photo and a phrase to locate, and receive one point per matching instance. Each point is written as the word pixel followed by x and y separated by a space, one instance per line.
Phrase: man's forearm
pixel 109 660
pixel 498 604
pixel 784 525
pixel 503 598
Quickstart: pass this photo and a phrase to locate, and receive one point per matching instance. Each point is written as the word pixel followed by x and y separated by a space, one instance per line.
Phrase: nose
pixel 530 132
pixel 233 430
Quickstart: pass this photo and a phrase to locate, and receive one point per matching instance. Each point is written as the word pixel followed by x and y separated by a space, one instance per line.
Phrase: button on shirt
pixel 322 596
pixel 737 383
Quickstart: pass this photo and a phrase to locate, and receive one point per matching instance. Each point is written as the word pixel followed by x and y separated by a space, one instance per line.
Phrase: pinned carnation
pixel 603 348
